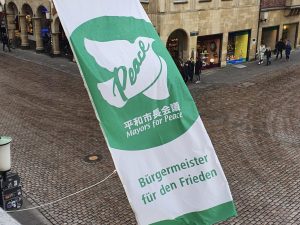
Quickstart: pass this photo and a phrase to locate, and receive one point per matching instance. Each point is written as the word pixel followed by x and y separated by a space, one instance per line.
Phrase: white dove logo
pixel 136 69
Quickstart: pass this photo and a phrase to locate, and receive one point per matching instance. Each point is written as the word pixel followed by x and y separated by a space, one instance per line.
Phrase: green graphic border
pixel 206 217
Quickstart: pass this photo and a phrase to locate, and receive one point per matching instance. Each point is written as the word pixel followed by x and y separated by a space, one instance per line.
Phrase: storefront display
pixel 29 25
pixel 237 48
pixel 209 50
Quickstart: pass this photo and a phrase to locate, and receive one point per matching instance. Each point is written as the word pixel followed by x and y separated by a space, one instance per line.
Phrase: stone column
pixel 55 42
pixel 11 26
pixel 24 34
pixel 253 44
pixel 37 32
pixel 280 32
pixel 224 49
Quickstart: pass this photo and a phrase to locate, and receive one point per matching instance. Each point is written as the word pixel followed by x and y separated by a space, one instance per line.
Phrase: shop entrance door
pixel 269 36
pixel 290 32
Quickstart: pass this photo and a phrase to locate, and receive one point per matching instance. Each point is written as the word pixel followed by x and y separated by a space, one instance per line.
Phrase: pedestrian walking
pixel 280 46
pixel 288 49
pixel 268 54
pixel 5 42
pixel 261 54
pixel 198 69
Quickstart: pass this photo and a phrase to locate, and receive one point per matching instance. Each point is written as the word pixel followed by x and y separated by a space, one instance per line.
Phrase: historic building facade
pixel 279 19
pixel 35 24
pixel 218 31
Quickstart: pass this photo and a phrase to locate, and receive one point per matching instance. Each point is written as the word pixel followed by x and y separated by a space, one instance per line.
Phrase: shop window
pixel 237 48
pixel 209 49
pixel 180 1
pixel 29 25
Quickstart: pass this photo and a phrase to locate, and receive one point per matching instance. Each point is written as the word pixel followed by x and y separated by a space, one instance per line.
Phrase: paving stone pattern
pixel 256 133
pixel 254 126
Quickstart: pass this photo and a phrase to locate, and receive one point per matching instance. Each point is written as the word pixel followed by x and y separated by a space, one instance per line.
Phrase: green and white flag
pixel 159 145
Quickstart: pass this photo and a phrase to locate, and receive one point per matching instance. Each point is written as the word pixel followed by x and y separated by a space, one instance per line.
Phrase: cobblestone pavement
pixel 254 126
pixel 256 133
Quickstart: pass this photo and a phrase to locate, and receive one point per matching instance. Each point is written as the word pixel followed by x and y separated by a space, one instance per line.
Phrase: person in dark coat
pixel 191 69
pixel 5 42
pixel 47 43
pixel 280 46
pixel 268 54
pixel 288 49
pixel 198 68
pixel 186 70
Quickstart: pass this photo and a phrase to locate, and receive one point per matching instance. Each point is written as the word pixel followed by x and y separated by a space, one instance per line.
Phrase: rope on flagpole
pixel 58 200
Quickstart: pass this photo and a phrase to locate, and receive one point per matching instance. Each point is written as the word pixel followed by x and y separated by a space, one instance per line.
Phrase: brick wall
pixel 272 3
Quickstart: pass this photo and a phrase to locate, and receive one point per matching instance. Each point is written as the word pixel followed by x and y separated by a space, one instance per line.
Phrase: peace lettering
pixel 132 72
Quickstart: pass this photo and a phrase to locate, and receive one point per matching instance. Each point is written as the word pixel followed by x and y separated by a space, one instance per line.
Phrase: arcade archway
pixel 13 25
pixel 26 25
pixel 177 45
pixel 42 29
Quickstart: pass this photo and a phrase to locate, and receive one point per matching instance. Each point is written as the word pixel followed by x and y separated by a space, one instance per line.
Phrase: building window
pixel 180 1
pixel 238 46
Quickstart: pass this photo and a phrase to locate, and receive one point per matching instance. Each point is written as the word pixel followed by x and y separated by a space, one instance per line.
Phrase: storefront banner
pixel 159 145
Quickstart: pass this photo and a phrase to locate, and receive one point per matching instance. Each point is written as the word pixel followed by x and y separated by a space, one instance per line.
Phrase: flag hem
pixel 206 217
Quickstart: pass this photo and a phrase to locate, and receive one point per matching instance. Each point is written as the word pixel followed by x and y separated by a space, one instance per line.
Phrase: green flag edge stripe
pixel 206 217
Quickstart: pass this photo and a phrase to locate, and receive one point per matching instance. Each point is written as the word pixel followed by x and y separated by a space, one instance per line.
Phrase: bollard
pixel 5 160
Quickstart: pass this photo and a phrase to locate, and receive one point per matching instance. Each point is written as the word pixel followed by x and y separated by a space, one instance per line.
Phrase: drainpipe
pixel 258 25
